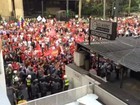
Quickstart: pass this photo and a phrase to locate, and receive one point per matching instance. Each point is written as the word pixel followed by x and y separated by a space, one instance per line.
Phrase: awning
pixel 125 51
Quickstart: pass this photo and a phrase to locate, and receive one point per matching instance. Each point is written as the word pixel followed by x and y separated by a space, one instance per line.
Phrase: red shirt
pixel 23 57
pixel 15 66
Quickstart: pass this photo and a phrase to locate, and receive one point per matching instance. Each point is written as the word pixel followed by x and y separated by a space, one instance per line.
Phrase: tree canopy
pixel 95 7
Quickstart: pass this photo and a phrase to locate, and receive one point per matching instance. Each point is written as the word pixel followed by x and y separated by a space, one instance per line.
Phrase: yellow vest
pixel 28 82
pixel 66 82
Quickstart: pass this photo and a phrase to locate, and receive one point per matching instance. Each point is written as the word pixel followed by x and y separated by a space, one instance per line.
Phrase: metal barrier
pixel 63 98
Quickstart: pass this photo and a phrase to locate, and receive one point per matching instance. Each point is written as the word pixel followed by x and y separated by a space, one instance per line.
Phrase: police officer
pixel 14 77
pixel 9 70
pixel 22 75
pixel 54 87
pixel 43 88
pixel 108 72
pixel 15 88
pixel 66 83
pixel 35 89
pixel 118 67
pixel 28 84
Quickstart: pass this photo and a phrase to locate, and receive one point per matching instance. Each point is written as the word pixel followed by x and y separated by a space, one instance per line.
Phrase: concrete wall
pixel 2 75
pixel 19 8
pixel 5 8
pixel 77 79
pixel 3 93
pixel 106 97
pixel 74 77
pixel 3 98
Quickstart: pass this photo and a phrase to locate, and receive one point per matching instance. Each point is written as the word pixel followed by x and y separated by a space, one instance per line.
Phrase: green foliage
pixel 134 5
pixel 96 8
pixel 135 9
pixel 91 8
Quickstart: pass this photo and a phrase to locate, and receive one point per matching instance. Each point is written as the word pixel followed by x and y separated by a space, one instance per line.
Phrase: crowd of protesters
pixel 129 26
pixel 105 68
pixel 35 53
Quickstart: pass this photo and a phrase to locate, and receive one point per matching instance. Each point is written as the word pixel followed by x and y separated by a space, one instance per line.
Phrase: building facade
pixel 21 8
pixel 11 8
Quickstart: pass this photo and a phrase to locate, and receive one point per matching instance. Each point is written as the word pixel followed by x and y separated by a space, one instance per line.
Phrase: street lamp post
pixel 104 9
pixel 67 8
pixel 116 7
pixel 80 8
pixel 129 8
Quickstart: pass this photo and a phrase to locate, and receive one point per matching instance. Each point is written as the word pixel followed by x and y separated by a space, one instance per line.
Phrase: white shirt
pixel 25 43
pixel 40 41
pixel 29 43
pixel 15 39
pixel 43 45
pixel 57 42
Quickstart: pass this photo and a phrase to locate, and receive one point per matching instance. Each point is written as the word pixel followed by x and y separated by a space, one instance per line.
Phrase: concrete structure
pixel 4 99
pixel 2 75
pixel 78 77
pixel 19 8
pixel 19 12
pixel 6 8
pixel 11 8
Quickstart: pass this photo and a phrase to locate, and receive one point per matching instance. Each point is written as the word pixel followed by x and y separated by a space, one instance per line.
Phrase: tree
pixel 95 7
pixel 134 6
pixel 92 8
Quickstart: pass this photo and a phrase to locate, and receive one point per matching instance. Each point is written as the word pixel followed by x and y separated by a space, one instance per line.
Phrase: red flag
pixel 54 53
pixel 47 53
pixel 52 32
pixel 80 40
pixel 39 54
pixel 38 48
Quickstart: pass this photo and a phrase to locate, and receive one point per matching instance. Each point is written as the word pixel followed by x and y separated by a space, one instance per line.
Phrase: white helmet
pixel 29 76
pixel 65 76
pixel 15 72
pixel 9 65
pixel 16 79
pixel 21 66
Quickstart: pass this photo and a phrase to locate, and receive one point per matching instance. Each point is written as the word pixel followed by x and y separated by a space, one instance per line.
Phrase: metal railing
pixel 63 98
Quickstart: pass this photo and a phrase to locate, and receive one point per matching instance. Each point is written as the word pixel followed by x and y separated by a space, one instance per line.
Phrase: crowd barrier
pixel 64 97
